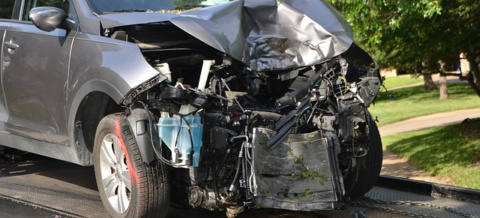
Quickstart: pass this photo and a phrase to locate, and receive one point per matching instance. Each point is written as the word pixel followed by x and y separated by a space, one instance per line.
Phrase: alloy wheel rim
pixel 115 174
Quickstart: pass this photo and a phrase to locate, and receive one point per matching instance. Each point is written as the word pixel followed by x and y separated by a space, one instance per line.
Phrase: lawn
pixel 402 104
pixel 451 151
pixel 392 82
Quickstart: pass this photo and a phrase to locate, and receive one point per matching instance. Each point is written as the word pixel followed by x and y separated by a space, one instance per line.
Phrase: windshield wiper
pixel 124 11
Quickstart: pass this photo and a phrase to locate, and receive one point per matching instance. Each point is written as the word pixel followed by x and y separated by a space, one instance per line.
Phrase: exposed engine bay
pixel 237 138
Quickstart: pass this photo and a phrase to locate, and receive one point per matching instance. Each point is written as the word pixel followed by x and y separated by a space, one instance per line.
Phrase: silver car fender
pixel 112 67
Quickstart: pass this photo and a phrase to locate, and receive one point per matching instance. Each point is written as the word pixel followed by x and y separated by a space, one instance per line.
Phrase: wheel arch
pixel 92 102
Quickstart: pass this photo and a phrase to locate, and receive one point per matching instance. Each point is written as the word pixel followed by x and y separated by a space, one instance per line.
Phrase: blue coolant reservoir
pixel 178 134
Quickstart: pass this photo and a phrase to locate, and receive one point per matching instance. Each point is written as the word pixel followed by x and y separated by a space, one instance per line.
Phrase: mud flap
pixel 299 174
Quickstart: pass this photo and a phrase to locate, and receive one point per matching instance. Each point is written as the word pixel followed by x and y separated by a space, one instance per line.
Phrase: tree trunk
pixel 443 81
pixel 473 75
pixel 427 79
pixel 443 87
pixel 471 81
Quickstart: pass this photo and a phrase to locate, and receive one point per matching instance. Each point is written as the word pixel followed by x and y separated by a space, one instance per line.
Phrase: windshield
pixel 160 6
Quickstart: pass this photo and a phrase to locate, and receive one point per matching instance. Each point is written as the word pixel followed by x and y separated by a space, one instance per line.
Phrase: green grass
pixel 392 82
pixel 415 101
pixel 451 151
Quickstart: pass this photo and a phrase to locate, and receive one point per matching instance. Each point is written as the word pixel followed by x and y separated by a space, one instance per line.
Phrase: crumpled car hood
pixel 266 35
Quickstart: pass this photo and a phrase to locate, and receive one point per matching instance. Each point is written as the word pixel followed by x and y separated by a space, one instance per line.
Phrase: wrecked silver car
pixel 216 104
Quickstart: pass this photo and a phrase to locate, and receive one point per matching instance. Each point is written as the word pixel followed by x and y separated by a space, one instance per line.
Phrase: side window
pixel 6 9
pixel 29 4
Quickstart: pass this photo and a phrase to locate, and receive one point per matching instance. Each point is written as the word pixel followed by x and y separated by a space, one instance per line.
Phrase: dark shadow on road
pixel 55 169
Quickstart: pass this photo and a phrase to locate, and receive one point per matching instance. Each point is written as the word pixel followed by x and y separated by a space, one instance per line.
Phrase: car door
pixel 6 11
pixel 35 70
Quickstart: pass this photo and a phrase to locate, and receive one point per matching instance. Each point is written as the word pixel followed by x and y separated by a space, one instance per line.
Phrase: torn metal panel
pixel 369 87
pixel 296 175
pixel 266 35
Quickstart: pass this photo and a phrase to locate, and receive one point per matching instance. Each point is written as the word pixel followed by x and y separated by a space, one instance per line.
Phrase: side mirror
pixel 47 18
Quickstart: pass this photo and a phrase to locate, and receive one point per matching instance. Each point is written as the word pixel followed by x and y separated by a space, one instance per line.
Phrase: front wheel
pixel 128 187
pixel 363 174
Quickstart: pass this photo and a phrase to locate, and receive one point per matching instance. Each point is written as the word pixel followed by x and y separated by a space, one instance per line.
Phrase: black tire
pixel 135 188
pixel 363 176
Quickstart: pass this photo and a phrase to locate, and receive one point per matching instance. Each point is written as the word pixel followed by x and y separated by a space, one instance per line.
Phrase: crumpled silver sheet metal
pixel 296 175
pixel 266 35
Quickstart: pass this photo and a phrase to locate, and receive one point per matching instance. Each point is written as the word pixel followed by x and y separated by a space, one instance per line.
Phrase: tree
pixel 414 35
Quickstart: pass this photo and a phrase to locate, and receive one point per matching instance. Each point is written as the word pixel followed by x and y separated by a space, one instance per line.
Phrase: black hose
pixel 158 153
pixel 222 164
pixel 215 189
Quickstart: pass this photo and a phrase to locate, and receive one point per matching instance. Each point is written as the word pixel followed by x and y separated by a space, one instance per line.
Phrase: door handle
pixel 11 45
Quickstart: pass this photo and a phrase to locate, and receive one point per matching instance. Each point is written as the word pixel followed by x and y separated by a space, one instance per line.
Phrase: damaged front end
pixel 257 128
pixel 282 139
